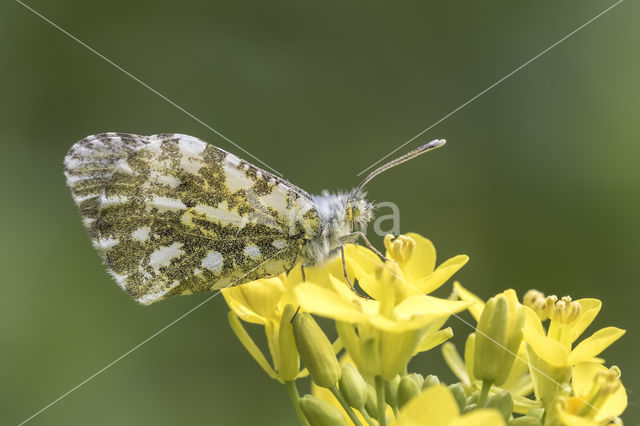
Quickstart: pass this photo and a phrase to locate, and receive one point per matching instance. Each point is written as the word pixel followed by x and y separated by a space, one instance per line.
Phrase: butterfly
pixel 171 214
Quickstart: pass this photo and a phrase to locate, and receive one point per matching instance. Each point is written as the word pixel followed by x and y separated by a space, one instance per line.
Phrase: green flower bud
pixel 470 407
pixel 469 349
pixel 473 399
pixel 525 421
pixel 498 338
pixel 391 390
pixel 315 351
pixel 503 402
pixel 353 387
pixel 409 386
pixel 372 402
pixel 289 361
pixel 536 412
pixel 458 394
pixel 430 380
pixel 321 413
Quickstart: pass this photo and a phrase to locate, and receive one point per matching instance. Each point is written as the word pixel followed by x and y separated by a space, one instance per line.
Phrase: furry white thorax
pixel 341 217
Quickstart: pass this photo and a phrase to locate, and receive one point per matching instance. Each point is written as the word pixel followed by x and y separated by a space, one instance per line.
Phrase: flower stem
pixel 382 405
pixel 484 393
pixel 367 417
pixel 295 400
pixel 334 390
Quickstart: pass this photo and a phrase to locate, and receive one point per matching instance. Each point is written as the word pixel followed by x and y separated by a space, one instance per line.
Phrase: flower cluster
pixel 514 370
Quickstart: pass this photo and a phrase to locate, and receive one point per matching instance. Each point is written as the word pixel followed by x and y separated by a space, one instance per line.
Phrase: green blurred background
pixel 539 183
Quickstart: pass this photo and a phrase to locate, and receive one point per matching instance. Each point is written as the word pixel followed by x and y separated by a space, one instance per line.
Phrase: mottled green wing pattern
pixel 171 214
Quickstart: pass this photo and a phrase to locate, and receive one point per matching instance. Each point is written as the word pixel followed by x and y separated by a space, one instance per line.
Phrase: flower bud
pixel 498 337
pixel 503 402
pixel 391 391
pixel 372 402
pixel 470 407
pixel 321 413
pixel 430 380
pixel 289 361
pixel 536 412
pixel 525 421
pixel 353 387
pixel 409 386
pixel 473 399
pixel 315 351
pixel 458 394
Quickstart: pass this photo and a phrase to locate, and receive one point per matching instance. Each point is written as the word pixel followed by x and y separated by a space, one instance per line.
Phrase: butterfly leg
pixel 346 276
pixel 304 277
pixel 368 243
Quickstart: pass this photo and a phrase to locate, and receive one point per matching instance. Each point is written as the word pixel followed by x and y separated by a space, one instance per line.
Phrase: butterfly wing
pixel 171 214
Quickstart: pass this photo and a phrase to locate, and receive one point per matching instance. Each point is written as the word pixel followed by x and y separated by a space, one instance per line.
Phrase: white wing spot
pixel 152 297
pixel 164 204
pixel 113 200
pixel 191 145
pixel 279 244
pixel 141 234
pixel 221 214
pixel 213 262
pixel 168 180
pixel 84 197
pixel 106 243
pixel 164 255
pixel 236 179
pixel 252 251
pixel 233 160
pixel 122 166
pixel 276 200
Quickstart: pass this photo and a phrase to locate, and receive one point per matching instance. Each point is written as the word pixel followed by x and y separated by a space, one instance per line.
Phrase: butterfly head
pixel 358 211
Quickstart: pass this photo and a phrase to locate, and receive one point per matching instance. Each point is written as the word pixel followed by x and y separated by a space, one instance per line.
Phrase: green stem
pixel 367 417
pixel 334 390
pixel 484 393
pixel 295 400
pixel 382 405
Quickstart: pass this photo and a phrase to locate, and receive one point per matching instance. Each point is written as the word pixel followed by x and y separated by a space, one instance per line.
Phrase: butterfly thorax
pixel 341 217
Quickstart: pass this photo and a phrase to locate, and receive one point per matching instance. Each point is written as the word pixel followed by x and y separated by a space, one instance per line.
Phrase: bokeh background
pixel 539 183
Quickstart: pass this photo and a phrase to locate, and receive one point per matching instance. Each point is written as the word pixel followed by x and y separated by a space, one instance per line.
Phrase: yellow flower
pixel 599 397
pixel 436 406
pixel 381 335
pixel 551 352
pixel 269 302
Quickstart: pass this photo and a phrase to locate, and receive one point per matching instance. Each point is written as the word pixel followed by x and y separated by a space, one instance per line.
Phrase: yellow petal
pixel 548 349
pixel 478 304
pixel 438 277
pixel 360 260
pixel 422 261
pixel 590 309
pixel 430 341
pixel 257 298
pixel 614 405
pixel 434 406
pixel 532 321
pixel 433 307
pixel 582 381
pixel 594 344
pixel 326 303
pixel 319 274
pixel 250 345
pixel 573 420
pixel 482 417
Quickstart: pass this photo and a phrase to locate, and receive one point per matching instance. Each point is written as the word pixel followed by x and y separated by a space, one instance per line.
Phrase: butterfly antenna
pixel 406 157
